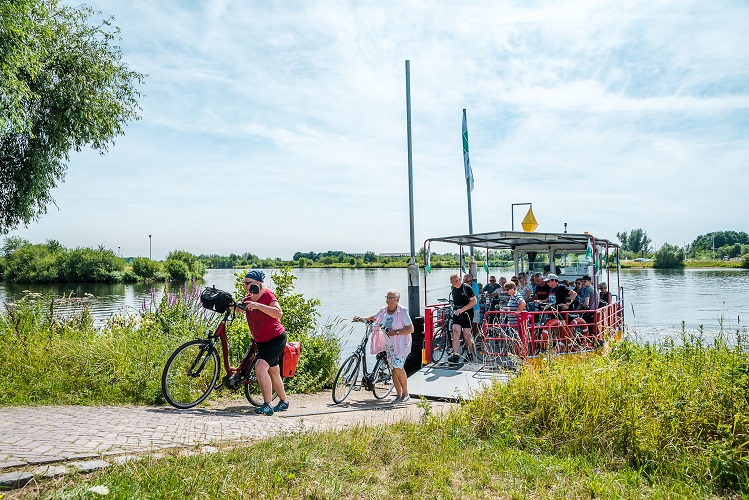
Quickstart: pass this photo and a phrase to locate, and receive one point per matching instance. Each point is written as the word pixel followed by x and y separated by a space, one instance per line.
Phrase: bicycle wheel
pixel 439 344
pixel 383 379
pixel 479 348
pixel 252 389
pixel 345 379
pixel 190 374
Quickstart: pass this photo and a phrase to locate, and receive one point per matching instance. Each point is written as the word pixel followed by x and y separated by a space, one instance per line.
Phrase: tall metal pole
pixel 413 268
pixel 149 247
pixel 467 165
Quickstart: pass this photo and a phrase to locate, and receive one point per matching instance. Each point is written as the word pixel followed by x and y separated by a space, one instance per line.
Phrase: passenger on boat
pixel 524 288
pixel 463 301
pixel 542 288
pixel 516 303
pixel 587 294
pixel 491 288
pixel 563 295
pixel 604 296
pixel 468 280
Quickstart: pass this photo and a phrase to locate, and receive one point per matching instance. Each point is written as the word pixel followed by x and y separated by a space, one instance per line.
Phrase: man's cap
pixel 551 276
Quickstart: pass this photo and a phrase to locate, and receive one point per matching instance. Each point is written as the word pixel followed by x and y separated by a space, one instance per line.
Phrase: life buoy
pixel 580 333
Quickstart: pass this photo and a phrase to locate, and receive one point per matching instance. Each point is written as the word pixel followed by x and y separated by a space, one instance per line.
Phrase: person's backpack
pixel 290 358
pixel 216 300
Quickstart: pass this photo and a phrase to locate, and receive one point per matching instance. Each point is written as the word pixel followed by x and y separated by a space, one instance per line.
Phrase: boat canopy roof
pixel 521 240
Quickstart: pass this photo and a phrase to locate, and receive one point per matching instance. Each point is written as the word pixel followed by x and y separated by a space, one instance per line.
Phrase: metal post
pixel 413 268
pixel 512 211
pixel 149 247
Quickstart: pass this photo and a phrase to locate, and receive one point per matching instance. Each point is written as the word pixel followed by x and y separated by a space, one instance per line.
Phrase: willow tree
pixel 63 87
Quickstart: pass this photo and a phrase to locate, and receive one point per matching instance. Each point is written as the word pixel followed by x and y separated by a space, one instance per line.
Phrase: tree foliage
pixel 63 86
pixel 636 241
pixel 668 257
pixel 727 244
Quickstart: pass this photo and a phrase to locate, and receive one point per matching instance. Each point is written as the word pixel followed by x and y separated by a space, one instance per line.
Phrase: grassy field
pixel 645 421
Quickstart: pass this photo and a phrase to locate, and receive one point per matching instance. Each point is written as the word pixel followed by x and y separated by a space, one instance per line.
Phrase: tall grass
pixel 674 409
pixel 49 357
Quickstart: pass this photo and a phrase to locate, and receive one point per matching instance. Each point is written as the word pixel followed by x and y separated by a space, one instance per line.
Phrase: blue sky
pixel 275 127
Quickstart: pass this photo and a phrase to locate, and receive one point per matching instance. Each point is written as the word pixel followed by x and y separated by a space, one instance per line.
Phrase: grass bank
pixel 667 421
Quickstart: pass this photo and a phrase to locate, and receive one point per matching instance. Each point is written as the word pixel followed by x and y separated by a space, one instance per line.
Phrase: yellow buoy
pixel 529 222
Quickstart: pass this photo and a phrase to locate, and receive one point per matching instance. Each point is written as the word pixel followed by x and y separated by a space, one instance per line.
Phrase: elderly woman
pixel 604 296
pixel 263 315
pixel 396 323
pixel 524 288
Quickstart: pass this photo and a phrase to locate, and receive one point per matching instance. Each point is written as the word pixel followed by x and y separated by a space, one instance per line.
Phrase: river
pixel 656 301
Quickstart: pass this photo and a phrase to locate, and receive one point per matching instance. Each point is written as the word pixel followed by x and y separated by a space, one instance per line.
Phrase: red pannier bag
pixel 290 358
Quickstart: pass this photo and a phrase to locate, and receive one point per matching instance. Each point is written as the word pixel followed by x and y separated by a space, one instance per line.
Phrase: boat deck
pixel 452 382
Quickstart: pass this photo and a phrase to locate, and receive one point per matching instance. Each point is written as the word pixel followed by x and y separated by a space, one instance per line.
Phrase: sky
pixel 275 127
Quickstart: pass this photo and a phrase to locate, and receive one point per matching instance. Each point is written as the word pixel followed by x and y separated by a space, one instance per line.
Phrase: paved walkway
pixel 47 434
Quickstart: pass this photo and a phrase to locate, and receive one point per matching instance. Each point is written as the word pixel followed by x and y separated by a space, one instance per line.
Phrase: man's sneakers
pixel 453 359
pixel 403 399
pixel 281 406
pixel 266 410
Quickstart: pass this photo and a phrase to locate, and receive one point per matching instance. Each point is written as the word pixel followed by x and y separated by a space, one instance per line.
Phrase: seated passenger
pixel 604 296
pixel 524 288
pixel 490 290
pixel 563 296
pixel 542 289
pixel 587 295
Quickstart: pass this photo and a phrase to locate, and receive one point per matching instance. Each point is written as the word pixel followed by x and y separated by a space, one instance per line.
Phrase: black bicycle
pixel 379 380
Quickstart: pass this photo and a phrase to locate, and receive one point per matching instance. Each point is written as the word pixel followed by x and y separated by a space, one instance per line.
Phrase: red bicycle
pixel 192 371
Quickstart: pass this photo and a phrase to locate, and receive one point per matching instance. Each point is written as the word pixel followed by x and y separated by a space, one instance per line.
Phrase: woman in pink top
pixel 396 324
pixel 263 317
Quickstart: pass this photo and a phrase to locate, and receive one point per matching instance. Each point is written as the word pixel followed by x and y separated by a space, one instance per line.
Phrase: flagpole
pixel 469 175
pixel 413 268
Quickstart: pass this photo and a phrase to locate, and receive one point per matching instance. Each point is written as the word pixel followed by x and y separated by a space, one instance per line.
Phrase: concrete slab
pixel 450 382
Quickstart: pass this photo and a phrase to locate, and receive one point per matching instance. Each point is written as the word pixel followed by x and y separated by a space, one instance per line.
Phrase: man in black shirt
pixel 463 301
pixel 564 296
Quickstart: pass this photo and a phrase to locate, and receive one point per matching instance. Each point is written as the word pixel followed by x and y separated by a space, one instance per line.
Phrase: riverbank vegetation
pixel 50 262
pixel 53 354
pixel 666 420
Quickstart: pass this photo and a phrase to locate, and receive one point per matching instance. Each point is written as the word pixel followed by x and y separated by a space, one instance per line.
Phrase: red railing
pixel 530 334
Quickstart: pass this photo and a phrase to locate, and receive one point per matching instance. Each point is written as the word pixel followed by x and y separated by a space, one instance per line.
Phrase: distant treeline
pixel 50 262
pixel 339 258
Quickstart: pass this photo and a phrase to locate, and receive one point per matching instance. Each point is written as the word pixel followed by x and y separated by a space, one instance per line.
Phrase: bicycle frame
pixel 361 353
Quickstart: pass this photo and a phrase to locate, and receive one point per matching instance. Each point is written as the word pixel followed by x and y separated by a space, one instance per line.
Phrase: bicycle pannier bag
pixel 216 300
pixel 290 358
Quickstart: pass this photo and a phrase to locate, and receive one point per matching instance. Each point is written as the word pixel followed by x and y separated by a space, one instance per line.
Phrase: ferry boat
pixel 508 339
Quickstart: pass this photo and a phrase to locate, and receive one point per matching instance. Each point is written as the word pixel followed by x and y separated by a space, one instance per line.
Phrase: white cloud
pixel 277 127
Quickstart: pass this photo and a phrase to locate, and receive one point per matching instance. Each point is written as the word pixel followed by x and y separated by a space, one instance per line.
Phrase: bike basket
pixel 216 300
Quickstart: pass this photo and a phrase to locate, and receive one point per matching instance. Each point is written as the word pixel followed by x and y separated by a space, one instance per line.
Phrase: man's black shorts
pixel 464 320
pixel 272 350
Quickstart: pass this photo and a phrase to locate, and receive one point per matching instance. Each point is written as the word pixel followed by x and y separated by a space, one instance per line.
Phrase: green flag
pixel 486 261
pixel 428 266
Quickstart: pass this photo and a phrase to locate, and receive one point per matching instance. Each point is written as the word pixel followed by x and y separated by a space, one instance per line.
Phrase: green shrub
pixel 745 261
pixel 196 269
pixel 668 257
pixel 88 265
pixel 177 270
pixel 145 268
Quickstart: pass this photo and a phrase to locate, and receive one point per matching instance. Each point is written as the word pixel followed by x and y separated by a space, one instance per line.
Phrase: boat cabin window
pixel 532 262
pixel 571 263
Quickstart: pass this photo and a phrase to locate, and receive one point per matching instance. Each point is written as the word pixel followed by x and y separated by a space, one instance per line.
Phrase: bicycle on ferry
pixel 379 380
pixel 192 371
pixel 442 337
